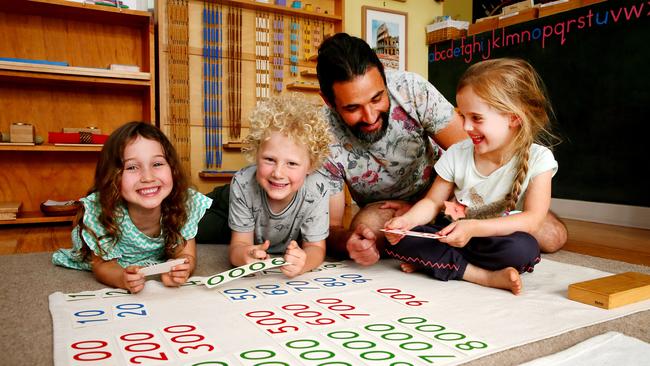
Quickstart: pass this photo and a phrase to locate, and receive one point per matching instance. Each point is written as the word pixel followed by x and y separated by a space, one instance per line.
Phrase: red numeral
pixel 187 338
pixel 162 357
pixel 198 338
pixel 169 328
pixel 389 291
pixel 125 337
pixel 336 305
pixel 135 347
pixel 301 311
pixel 265 313
pixel 182 349
pixel 91 355
pixel 398 295
pixel 283 329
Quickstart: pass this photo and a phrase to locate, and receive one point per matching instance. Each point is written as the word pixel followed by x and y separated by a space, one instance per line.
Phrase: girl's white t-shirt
pixel 475 190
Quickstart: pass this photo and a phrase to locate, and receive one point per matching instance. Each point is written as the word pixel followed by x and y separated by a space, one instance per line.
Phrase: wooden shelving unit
pixel 325 17
pixel 84 93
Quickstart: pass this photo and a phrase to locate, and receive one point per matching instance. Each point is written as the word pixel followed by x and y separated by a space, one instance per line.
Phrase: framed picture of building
pixel 385 32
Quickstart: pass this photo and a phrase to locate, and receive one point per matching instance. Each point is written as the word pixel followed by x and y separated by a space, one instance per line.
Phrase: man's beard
pixel 372 136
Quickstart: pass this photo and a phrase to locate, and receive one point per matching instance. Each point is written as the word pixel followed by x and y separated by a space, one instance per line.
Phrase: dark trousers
pixel 213 227
pixel 519 250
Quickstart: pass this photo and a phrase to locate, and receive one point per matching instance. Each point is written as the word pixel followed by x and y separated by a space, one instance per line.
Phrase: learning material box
pixel 449 29
pixel 557 7
pixel 517 17
pixel 21 132
pixel 612 291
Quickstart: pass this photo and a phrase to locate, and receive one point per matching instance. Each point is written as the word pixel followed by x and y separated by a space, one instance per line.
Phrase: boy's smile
pixel 282 165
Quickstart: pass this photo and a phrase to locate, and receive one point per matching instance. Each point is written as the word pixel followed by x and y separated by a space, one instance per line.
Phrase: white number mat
pixel 341 314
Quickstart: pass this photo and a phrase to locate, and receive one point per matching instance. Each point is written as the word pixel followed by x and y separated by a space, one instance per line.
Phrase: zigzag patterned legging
pixel 519 250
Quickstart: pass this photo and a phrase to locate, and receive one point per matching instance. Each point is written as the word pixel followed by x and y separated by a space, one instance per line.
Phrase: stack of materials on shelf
pixel 9 210
pixel 445 28
pixel 77 136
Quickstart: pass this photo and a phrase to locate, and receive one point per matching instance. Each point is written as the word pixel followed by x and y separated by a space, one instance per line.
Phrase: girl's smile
pixel 146 177
pixel 491 131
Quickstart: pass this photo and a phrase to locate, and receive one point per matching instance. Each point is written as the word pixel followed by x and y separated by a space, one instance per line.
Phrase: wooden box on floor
pixel 612 291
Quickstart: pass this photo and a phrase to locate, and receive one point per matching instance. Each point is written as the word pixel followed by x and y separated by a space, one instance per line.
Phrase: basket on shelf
pixel 448 29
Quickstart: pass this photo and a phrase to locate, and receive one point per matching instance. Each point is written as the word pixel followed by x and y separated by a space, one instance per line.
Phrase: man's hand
pixel 362 246
pixel 400 207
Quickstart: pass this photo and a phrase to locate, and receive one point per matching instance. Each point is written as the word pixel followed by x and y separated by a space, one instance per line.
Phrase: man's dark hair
pixel 341 58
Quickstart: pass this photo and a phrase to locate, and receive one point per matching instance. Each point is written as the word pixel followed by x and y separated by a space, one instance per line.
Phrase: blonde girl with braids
pixel 280 205
pixel 496 185
pixel 139 212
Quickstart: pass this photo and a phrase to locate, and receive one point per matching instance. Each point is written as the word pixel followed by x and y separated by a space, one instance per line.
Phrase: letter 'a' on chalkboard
pixel 594 61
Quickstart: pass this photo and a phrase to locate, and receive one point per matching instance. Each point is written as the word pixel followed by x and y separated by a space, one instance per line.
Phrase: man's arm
pixel 452 133
pixel 338 237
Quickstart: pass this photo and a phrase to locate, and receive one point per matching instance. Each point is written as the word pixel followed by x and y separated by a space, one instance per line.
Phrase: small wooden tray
pixel 60 210
pixel 612 291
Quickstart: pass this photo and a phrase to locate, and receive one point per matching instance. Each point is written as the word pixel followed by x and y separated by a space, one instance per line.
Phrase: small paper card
pixel 242 271
pixel 413 233
pixel 161 267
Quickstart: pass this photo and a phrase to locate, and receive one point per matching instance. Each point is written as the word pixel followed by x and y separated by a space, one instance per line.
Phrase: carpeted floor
pixel 26 330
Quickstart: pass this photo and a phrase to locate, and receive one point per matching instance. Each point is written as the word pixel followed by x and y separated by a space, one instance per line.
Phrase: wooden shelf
pixel 216 175
pixel 285 10
pixel 49 148
pixel 35 217
pixel 28 77
pixel 303 87
pixel 72 71
pixel 75 10
pixel 309 74
pixel 233 145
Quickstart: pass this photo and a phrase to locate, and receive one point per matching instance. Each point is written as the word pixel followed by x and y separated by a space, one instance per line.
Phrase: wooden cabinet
pixel 88 38
pixel 246 35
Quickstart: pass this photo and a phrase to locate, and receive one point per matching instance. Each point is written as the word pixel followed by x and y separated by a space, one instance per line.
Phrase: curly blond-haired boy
pixel 277 201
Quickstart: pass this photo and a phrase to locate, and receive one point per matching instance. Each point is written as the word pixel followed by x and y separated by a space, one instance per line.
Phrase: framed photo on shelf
pixel 385 32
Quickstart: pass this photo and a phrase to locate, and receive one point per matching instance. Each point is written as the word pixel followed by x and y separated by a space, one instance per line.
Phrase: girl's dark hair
pixel 341 58
pixel 107 184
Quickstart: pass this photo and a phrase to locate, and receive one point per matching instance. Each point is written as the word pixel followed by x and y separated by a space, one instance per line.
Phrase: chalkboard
pixel 595 63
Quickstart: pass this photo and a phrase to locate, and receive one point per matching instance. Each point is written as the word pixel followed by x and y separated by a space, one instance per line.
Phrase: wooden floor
pixel 608 241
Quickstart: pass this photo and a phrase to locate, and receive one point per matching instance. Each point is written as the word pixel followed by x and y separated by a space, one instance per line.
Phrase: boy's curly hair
pixel 295 116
